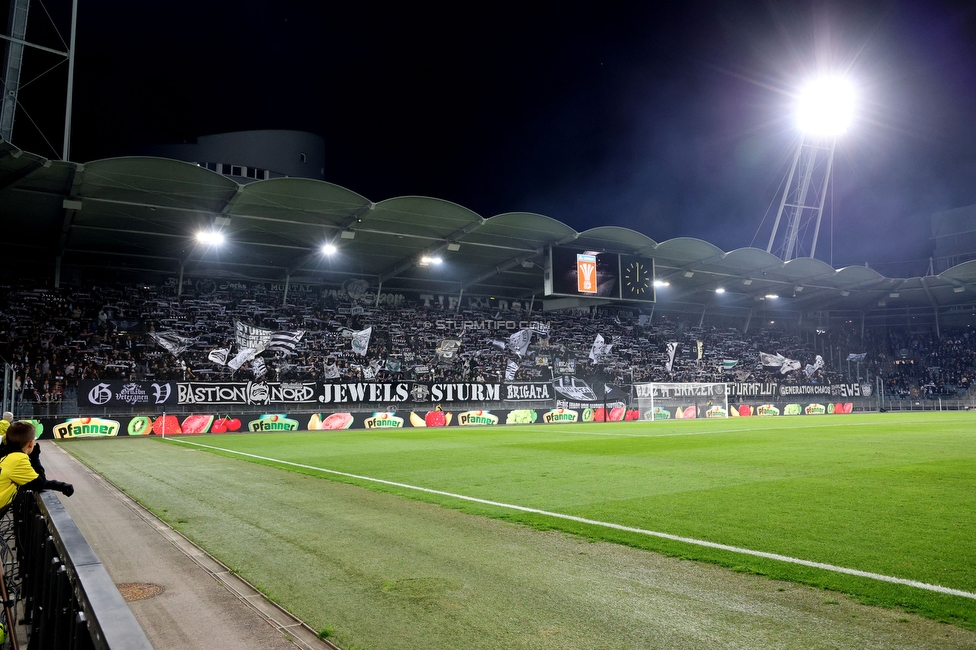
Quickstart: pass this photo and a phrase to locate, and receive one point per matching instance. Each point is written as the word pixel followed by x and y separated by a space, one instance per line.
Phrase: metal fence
pixel 67 599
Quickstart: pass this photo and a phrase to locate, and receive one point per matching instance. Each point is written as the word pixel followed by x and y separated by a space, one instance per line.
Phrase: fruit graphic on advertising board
pixel 197 423
pixel 521 416
pixel 745 410
pixel 632 414
pixel 226 424
pixel 333 422
pixel 791 409
pixel 734 412
pixel 166 424
pixel 140 426
pixel 687 413
pixel 435 418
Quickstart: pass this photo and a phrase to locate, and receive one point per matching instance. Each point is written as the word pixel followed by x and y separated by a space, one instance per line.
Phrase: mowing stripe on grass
pixel 615 434
pixel 604 524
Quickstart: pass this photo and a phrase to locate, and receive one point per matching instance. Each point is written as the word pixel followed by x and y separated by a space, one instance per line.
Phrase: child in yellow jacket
pixel 20 465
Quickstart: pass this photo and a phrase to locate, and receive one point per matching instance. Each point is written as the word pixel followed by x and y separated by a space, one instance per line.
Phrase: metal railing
pixel 69 602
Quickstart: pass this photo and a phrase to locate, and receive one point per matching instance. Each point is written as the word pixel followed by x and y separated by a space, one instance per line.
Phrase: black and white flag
pixel 448 349
pixel 249 336
pixel 498 344
pixel 857 358
pixel 285 341
pixel 330 371
pixel 519 342
pixel 259 367
pixel 599 349
pixel 172 342
pixel 814 367
pixel 369 372
pixel 242 357
pixel 672 348
pixel 219 356
pixel 360 340
pixel 510 370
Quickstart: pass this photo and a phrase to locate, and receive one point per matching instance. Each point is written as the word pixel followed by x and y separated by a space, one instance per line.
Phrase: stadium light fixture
pixel 662 283
pixel 958 289
pixel 720 290
pixel 329 249
pixel 825 106
pixel 210 237
pixel 771 296
pixel 427 260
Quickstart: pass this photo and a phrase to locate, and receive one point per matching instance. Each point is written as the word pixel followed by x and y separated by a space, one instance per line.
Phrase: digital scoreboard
pixel 595 274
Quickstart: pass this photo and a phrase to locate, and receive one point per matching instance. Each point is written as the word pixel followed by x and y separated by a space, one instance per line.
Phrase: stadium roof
pixel 142 214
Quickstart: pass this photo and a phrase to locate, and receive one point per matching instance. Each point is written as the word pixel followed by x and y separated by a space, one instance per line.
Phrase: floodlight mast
pixel 824 112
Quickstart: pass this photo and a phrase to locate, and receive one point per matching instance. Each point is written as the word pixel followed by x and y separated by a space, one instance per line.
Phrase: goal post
pixel 663 401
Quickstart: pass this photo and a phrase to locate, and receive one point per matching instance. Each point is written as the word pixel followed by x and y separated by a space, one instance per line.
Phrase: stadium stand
pixel 57 337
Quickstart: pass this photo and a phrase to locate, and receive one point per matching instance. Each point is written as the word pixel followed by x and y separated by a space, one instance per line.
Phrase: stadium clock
pixel 637 279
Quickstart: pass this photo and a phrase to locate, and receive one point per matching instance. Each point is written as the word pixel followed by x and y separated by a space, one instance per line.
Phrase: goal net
pixel 678 401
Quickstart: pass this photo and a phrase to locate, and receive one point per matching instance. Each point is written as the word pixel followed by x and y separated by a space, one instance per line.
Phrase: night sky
pixel 672 118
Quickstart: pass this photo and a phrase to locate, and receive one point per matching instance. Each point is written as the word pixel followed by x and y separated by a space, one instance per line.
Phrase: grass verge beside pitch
pixel 889 494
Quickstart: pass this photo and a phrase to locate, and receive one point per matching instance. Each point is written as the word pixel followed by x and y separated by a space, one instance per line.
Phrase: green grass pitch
pixel 892 494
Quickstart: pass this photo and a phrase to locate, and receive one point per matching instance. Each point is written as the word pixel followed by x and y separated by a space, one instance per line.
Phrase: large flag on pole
pixel 672 348
pixel 360 340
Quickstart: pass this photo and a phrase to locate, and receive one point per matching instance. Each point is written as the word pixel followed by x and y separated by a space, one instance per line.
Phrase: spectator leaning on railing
pixel 20 465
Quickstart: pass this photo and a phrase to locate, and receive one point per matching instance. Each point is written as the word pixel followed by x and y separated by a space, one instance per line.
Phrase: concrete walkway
pixel 202 604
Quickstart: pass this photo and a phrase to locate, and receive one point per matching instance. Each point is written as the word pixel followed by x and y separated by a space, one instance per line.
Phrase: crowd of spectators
pixel 55 338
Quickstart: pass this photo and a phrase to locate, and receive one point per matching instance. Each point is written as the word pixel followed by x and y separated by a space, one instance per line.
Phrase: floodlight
pixel 210 237
pixel 328 249
pixel 720 290
pixel 825 106
pixel 771 296
pixel 661 283
pixel 427 260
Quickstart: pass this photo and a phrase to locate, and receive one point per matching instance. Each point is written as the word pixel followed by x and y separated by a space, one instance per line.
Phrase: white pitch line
pixel 604 524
